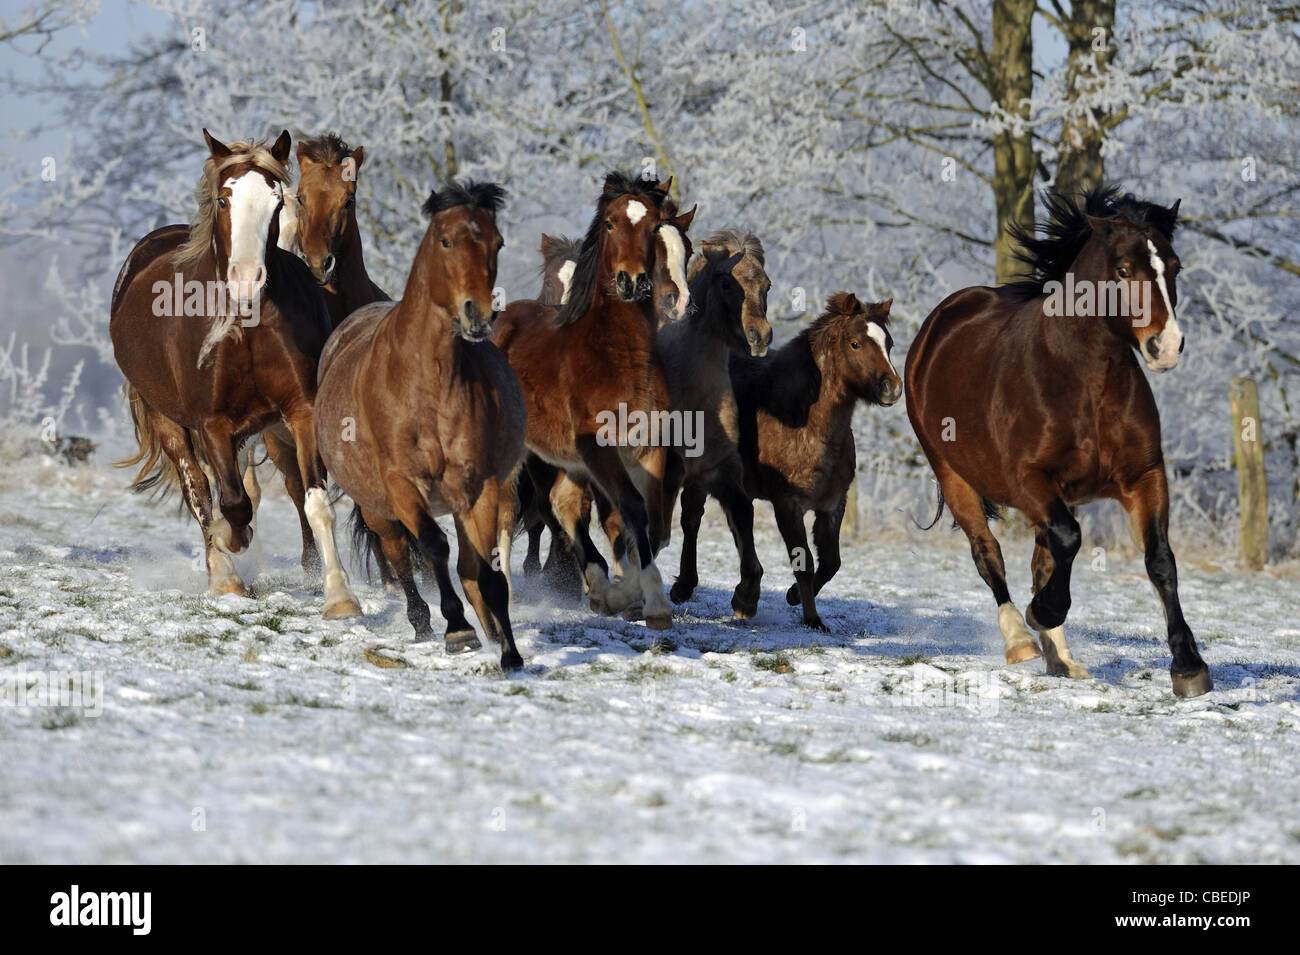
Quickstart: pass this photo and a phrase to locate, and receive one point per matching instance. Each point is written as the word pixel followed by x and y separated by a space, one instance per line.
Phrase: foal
pixel 796 429
pixel 420 416
pixel 595 356
pixel 728 314
pixel 1019 406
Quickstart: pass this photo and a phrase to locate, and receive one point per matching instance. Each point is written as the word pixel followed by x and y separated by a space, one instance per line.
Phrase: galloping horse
pixel 728 314
pixel 1018 407
pixel 420 416
pixel 593 357
pixel 238 356
pixel 796 431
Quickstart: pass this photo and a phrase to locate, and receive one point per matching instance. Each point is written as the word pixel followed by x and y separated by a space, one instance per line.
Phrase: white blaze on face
pixel 636 211
pixel 675 249
pixel 877 335
pixel 1171 339
pixel 565 275
pixel 252 203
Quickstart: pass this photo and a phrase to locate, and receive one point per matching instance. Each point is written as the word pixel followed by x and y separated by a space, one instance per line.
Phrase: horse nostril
pixel 328 265
pixel 1153 346
pixel 1181 345
pixel 670 300
pixel 471 310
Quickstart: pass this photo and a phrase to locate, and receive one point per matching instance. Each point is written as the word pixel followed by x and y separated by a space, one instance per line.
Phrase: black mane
pixel 583 286
pixel 1066 230
pixel 480 195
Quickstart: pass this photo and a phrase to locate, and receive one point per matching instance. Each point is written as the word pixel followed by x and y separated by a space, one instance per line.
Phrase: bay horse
pixel 796 430
pixel 419 415
pixel 729 286
pixel 325 234
pixel 1019 407
pixel 590 358
pixel 238 356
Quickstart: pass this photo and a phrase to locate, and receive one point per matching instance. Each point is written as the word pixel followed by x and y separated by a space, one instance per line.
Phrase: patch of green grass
pixel 912 659
pixel 600 666
pixel 63 717
pixel 518 689
pixel 246 685
pixel 729 676
pixel 273 622
pixel 648 671
pixel 777 663
pixel 261 709
pixel 916 739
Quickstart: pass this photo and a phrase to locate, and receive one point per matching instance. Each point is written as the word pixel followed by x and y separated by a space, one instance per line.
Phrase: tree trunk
pixel 1081 166
pixel 1013 149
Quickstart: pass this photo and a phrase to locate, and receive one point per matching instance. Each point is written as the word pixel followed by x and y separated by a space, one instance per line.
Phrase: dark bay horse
pixel 217 331
pixel 796 429
pixel 420 416
pixel 590 358
pixel 1018 404
pixel 728 314
pixel 327 237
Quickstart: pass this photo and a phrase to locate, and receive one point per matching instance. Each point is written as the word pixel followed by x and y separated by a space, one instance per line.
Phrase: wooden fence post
pixel 1252 485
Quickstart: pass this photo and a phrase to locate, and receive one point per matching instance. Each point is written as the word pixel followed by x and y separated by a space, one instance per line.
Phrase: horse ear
pixel 280 150
pixel 1173 210
pixel 731 262
pixel 661 190
pixel 886 305
pixel 548 243
pixel 218 149
pixel 303 159
pixel 843 303
pixel 358 156
pixel 1099 226
pixel 683 221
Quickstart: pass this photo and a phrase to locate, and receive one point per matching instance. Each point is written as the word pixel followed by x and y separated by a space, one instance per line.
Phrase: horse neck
pixel 818 394
pixel 1082 338
pixel 415 327
pixel 707 317
pixel 352 281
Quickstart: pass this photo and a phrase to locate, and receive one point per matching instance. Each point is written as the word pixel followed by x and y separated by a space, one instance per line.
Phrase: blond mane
pixel 206 192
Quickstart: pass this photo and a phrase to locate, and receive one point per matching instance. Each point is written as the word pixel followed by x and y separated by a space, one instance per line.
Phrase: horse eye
pixel 221 202
pixel 1124 272
pixel 609 226
pixel 349 204
pixel 446 242
pixel 854 345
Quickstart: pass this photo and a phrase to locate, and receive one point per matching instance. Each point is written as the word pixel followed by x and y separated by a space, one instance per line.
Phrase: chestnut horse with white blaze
pixel 420 416
pixel 205 379
pixel 1020 407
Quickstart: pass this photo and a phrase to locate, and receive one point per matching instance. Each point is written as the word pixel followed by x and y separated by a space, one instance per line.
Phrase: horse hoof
pixel 659 621
pixel 1026 651
pixel 463 641
pixel 680 592
pixel 235 586
pixel 347 607
pixel 792 595
pixel 1198 684
pixel 633 613
pixel 743 608
pixel 816 624
pixel 511 661
pixel 1075 671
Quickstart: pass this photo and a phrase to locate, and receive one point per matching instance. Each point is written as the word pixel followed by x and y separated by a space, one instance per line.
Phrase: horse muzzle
pixel 1161 352
pixel 758 340
pixel 890 391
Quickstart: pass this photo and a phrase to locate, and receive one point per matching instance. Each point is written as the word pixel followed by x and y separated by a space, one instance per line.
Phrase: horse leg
pixel 654 468
pixel 216 439
pixel 177 445
pixel 432 543
pixel 789 521
pixel 739 510
pixel 395 546
pixel 1147 504
pixel 485 585
pixel 562 571
pixel 826 539
pixel 1055 650
pixel 569 507
pixel 1057 529
pixel 339 599
pixel 612 525
pixel 280 449
pixel 693 498
pixel 607 471
pixel 968 510
pixel 251 485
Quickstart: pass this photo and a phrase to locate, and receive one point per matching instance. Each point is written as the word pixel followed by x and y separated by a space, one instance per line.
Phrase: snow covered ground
pixel 249 730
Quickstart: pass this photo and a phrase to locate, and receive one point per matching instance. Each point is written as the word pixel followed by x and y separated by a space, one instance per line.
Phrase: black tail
pixel 992 511
pixel 365 542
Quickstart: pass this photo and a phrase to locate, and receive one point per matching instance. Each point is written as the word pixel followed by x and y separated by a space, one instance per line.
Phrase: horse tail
pixel 156 469
pixel 367 548
pixel 938 512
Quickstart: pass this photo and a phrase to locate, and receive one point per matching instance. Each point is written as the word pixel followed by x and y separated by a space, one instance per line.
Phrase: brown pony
pixel 728 314
pixel 326 235
pixel 796 430
pixel 239 355
pixel 591 358
pixel 1020 407
pixel 420 416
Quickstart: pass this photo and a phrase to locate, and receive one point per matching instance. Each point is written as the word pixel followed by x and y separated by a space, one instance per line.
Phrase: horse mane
pixel 1066 230
pixel 840 306
pixel 557 247
pixel 480 195
pixel 583 286
pixel 328 149
pixel 205 194
pixel 724 243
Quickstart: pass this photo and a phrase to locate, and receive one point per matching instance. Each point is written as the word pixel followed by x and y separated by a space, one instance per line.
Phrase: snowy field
pixel 249 730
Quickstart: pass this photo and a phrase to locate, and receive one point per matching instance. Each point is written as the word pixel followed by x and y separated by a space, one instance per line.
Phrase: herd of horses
pixel 447 402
